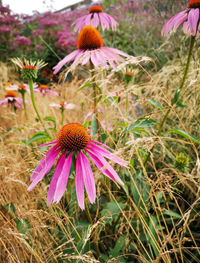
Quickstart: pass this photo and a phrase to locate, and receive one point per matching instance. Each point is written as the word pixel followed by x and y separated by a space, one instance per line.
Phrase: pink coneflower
pixel 95 17
pixel 46 91
pixel 74 139
pixel 12 99
pixel 22 87
pixel 189 16
pixel 64 106
pixel 91 49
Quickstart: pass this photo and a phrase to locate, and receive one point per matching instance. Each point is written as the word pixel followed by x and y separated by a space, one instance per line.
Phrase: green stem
pixel 94 86
pixel 87 211
pixel 127 102
pixel 24 104
pixel 62 114
pixel 192 41
pixel 30 82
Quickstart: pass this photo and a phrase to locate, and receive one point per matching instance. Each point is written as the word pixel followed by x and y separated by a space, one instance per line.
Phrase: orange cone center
pixel 22 87
pixel 89 38
pixel 43 87
pixel 194 4
pixel 29 67
pixel 95 9
pixel 10 93
pixel 73 137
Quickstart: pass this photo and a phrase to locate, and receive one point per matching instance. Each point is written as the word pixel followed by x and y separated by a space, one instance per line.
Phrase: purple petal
pixel 88 178
pixel 104 145
pixel 53 183
pixel 104 167
pixel 62 180
pixel 3 101
pixel 193 17
pixel 95 20
pixel 104 21
pixel 49 143
pixel 79 183
pixel 49 161
pixel 106 154
pixel 66 60
pixel 79 23
pixel 43 163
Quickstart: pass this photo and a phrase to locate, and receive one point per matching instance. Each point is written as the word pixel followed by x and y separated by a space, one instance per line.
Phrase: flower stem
pixel 24 104
pixel 94 86
pixel 30 82
pixel 62 115
pixel 127 102
pixel 192 41
pixel 93 236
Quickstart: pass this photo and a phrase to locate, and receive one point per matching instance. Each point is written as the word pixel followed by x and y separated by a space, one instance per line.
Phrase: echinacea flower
pixel 190 17
pixel 95 17
pixel 63 106
pixel 29 68
pixel 44 89
pixel 90 49
pixel 21 87
pixel 74 139
pixel 12 99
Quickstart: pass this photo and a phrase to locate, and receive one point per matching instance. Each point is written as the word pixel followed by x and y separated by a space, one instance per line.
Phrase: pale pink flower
pixel 11 98
pixel 95 17
pixel 45 90
pixel 74 138
pixel 19 87
pixel 190 17
pixel 65 105
pixel 91 49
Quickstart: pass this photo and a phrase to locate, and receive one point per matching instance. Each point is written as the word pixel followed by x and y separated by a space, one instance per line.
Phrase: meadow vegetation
pixel 155 216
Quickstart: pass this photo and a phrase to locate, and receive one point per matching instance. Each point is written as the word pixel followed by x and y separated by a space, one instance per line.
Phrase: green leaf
pixel 184 134
pixel 87 84
pixel 153 225
pixel 112 209
pixel 120 245
pixel 180 104
pixel 51 119
pixel 37 137
pixel 176 96
pixel 172 213
pixel 94 125
pixel 156 104
pixel 23 225
pixel 10 207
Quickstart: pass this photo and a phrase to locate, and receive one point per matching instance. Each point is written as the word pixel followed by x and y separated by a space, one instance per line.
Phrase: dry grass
pixel 168 235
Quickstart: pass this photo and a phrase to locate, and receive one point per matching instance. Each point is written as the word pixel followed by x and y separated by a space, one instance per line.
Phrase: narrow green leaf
pixel 156 104
pixel 94 125
pixel 176 96
pixel 172 213
pixel 87 84
pixel 51 119
pixel 37 137
pixel 184 134
pixel 23 225
pixel 10 207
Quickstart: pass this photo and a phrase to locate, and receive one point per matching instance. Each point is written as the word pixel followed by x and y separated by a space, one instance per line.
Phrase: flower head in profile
pixel 95 17
pixel 189 17
pixel 90 49
pixel 74 139
pixel 12 99
pixel 63 106
pixel 44 89
pixel 29 68
pixel 22 88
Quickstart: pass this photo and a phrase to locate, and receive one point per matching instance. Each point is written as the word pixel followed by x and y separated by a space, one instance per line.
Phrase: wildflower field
pixel 99 133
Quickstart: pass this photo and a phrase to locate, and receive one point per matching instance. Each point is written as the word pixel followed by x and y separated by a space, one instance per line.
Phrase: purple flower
pixel 74 139
pixel 95 17
pixel 90 48
pixel 5 29
pixel 21 40
pixel 64 106
pixel 189 16
pixel 45 90
pixel 11 98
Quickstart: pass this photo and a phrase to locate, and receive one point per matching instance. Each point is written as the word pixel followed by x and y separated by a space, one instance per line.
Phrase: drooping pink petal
pixel 49 161
pixel 79 23
pixel 57 173
pixel 186 29
pixel 79 57
pixel 169 25
pixel 66 60
pixel 3 101
pixel 43 162
pixel 113 23
pixel 62 180
pixel 104 166
pixel 95 20
pixel 79 183
pixel 107 154
pixel 101 58
pixel 49 143
pixel 193 17
pixel 104 20
pixel 94 58
pixel 88 178
pixel 104 145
